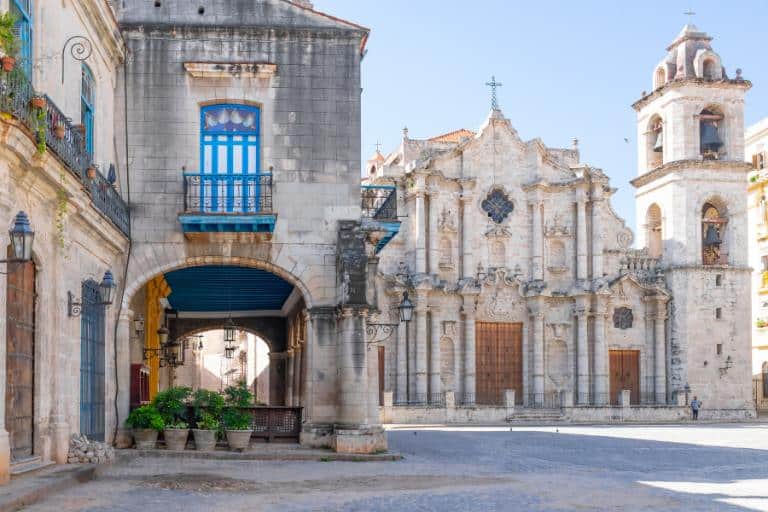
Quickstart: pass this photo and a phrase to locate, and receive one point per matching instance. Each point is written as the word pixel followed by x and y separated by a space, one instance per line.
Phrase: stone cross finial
pixel 378 147
pixel 493 84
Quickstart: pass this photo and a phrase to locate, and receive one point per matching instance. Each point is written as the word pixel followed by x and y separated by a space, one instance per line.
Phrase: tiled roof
pixel 454 136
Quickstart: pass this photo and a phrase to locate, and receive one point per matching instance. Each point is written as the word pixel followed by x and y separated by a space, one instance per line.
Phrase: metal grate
pixel 379 202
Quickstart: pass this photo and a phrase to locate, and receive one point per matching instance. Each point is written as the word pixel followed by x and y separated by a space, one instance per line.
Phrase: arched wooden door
pixel 20 358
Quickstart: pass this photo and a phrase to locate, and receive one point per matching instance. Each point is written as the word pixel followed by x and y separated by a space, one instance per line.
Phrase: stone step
pixel 28 466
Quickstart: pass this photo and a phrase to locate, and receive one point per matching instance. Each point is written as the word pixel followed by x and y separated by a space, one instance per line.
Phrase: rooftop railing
pixel 59 135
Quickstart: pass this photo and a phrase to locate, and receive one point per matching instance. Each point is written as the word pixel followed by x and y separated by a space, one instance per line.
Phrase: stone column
pixel 537 240
pixel 601 354
pixel 660 352
pixel 421 348
pixel 277 378
pixel 537 319
pixel 581 237
pixel 467 259
pixel 289 378
pixel 435 384
pixel 297 355
pixel 434 243
pixel 5 444
pixel 123 370
pixel 582 353
pixel 597 232
pixel 309 378
pixel 421 233
pixel 401 387
pixel 353 368
pixel 468 311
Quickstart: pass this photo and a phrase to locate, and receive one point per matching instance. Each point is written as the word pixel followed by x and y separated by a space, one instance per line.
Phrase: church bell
pixel 658 147
pixel 712 238
pixel 710 140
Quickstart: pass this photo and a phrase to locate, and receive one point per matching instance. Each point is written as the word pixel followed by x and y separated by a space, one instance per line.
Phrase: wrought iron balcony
pixel 227 203
pixel 379 205
pixel 379 202
pixel 51 126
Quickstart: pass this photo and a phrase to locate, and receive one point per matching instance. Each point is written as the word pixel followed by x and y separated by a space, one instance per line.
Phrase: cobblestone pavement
pixel 670 468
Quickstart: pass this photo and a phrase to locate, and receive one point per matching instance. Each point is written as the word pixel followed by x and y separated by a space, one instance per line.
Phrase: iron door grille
pixel 92 363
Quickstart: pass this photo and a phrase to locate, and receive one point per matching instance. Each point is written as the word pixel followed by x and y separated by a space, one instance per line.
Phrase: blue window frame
pixel 22 9
pixel 87 102
pixel 230 156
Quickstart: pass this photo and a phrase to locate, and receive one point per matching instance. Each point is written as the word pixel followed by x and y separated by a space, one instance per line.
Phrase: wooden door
pixel 381 354
pixel 20 358
pixel 625 374
pixel 498 361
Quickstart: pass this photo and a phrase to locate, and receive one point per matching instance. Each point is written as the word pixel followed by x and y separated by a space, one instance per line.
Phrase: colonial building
pixel 527 289
pixel 756 140
pixel 58 165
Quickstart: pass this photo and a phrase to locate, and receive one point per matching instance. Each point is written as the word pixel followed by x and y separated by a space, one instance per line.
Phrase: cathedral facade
pixel 531 292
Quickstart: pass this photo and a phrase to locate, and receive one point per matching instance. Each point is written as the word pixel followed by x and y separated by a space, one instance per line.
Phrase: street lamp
pixel 22 236
pixel 406 314
pixel 406 308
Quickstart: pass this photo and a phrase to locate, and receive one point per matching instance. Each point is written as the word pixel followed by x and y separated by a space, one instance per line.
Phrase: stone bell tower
pixel 691 214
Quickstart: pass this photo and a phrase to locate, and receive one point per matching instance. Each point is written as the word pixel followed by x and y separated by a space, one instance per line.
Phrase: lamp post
pixel 22 236
pixel 406 314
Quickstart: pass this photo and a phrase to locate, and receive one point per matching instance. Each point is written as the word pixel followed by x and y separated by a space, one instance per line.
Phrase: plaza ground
pixel 672 468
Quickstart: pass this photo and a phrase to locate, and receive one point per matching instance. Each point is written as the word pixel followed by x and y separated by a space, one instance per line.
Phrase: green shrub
pixel 172 404
pixel 235 419
pixel 145 416
pixel 178 424
pixel 238 395
pixel 8 41
pixel 205 401
pixel 207 421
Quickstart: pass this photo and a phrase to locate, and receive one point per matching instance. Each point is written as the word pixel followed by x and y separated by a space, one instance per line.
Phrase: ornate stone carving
pixel 497 205
pixel 624 239
pixel 449 327
pixel 623 318
pixel 559 330
pixel 447 221
pixel 505 296
pixel 557 227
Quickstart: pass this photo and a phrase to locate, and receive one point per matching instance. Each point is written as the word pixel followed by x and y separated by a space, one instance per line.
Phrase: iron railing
pixel 229 194
pixel 268 422
pixel 550 400
pixel 379 202
pixel 64 140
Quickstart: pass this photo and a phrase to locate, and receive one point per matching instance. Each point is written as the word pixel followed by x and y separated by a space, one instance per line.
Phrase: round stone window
pixel 497 205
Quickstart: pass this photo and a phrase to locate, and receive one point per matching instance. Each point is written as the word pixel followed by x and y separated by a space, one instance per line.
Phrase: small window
pixel 718 280
pixel 718 313
pixel 719 349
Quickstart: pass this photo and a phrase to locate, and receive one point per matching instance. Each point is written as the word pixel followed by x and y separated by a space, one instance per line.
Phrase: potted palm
pixel 146 422
pixel 236 417
pixel 9 44
pixel 207 406
pixel 172 405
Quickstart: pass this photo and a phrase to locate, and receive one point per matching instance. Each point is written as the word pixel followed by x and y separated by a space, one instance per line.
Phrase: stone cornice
pixel 682 165
pixel 182 32
pixel 102 21
pixel 699 82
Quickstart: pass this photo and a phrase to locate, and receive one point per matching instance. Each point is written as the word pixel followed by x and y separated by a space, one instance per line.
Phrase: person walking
pixel 695 406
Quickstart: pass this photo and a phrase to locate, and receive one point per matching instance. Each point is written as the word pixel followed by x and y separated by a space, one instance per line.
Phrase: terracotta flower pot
pixel 238 439
pixel 145 438
pixel 176 438
pixel 38 102
pixel 91 172
pixel 8 63
pixel 205 440
pixel 59 131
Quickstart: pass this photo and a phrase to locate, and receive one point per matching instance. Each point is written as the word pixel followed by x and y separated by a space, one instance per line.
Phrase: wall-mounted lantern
pixel 106 295
pixel 22 236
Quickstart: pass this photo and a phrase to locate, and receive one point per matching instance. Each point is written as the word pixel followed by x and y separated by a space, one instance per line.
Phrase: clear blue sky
pixel 569 68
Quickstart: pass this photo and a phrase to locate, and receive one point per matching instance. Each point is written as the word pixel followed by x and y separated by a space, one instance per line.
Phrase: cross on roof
pixel 378 146
pixel 690 13
pixel 493 84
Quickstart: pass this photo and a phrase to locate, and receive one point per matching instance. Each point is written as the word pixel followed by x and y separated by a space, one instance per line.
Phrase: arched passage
pixel 261 305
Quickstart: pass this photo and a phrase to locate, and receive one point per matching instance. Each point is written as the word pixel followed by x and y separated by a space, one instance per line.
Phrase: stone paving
pixel 670 468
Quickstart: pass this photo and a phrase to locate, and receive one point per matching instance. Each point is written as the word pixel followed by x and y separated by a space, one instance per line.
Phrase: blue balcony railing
pixel 64 141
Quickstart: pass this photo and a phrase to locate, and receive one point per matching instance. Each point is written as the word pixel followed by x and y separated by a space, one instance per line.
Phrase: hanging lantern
pixel 229 351
pixel 107 288
pixel 22 237
pixel 406 308
pixel 162 334
pixel 229 331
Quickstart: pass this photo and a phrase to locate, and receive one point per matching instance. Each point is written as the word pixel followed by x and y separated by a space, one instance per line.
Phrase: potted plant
pixel 9 44
pixel 37 102
pixel 171 403
pixel 176 435
pixel 59 131
pixel 207 406
pixel 237 421
pixel 146 422
pixel 91 172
